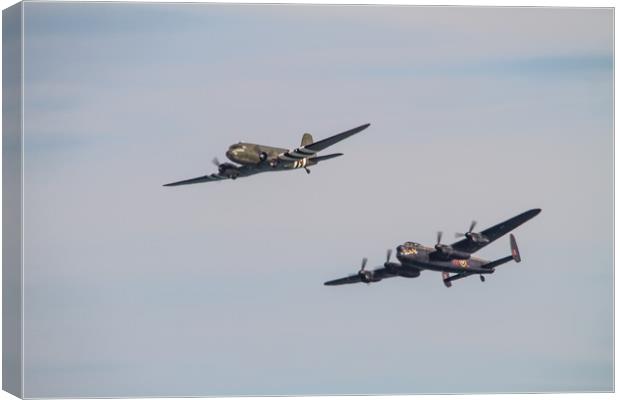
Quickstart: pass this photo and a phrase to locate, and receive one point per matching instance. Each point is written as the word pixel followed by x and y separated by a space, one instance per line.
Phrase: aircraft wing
pixel 200 179
pixel 378 274
pixel 495 232
pixel 312 148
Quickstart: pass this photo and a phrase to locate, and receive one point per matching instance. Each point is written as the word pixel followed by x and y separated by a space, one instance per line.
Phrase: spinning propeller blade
pixel 471 229
pixel 472 226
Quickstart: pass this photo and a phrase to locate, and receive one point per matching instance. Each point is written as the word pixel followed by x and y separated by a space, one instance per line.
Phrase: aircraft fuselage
pixel 420 257
pixel 250 158
pixel 263 157
pixel 252 154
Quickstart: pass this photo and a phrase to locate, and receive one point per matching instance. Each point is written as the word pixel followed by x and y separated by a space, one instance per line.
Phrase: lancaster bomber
pixel 256 158
pixel 454 261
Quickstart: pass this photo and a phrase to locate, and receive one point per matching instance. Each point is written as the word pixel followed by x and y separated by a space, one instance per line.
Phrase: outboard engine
pixel 473 236
pixel 365 275
pixel 226 169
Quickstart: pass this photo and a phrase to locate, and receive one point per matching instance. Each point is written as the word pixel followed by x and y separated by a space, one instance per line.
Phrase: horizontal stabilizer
pixel 496 263
pixel 514 255
pixel 325 157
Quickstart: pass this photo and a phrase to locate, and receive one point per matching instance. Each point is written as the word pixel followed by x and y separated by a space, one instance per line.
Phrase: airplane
pixel 257 158
pixel 454 261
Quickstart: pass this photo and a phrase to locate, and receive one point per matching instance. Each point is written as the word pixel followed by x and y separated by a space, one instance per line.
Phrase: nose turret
pixel 407 249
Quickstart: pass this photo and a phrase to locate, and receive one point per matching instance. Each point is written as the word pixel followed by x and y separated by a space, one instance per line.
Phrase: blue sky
pixel 216 289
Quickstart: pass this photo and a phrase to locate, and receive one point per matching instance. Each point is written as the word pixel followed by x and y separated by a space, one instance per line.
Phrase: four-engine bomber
pixel 454 261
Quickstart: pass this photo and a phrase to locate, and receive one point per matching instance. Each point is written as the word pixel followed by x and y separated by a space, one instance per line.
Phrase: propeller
pixel 364 261
pixel 473 236
pixel 439 234
pixel 442 248
pixel 221 168
pixel 366 276
pixel 471 229
pixel 392 267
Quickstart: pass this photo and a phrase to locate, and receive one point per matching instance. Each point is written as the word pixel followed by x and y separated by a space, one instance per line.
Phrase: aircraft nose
pixel 234 151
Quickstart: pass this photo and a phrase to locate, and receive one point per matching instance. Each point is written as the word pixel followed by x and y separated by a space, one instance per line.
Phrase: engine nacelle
pixel 409 273
pixel 229 170
pixel 477 237
pixel 368 276
pixel 449 253
pixel 392 267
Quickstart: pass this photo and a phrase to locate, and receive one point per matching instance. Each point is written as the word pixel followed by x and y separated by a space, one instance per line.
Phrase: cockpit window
pixel 412 244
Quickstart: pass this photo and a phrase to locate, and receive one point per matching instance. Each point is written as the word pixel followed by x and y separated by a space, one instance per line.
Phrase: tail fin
pixel 514 255
pixel 514 249
pixel 306 139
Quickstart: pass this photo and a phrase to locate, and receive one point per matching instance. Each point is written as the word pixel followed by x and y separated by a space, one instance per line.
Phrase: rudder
pixel 306 139
pixel 514 250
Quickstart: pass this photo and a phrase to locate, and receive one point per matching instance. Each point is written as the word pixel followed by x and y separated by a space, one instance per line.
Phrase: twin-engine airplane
pixel 257 158
pixel 455 259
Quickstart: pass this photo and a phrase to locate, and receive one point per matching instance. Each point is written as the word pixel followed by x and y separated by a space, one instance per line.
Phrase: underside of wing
pixel 495 232
pixel 200 179
pixel 325 143
pixel 313 148
pixel 374 276
pixel 343 281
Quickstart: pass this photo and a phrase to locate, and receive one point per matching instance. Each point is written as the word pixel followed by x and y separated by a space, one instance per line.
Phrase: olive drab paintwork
pixel 250 158
pixel 252 154
pixel 453 259
pixel 306 139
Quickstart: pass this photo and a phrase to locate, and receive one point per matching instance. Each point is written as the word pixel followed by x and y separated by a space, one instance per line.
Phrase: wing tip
pixel 533 212
pixel 362 127
pixel 179 183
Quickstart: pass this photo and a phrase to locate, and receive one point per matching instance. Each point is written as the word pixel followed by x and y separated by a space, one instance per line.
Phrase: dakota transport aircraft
pixel 257 158
pixel 453 261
